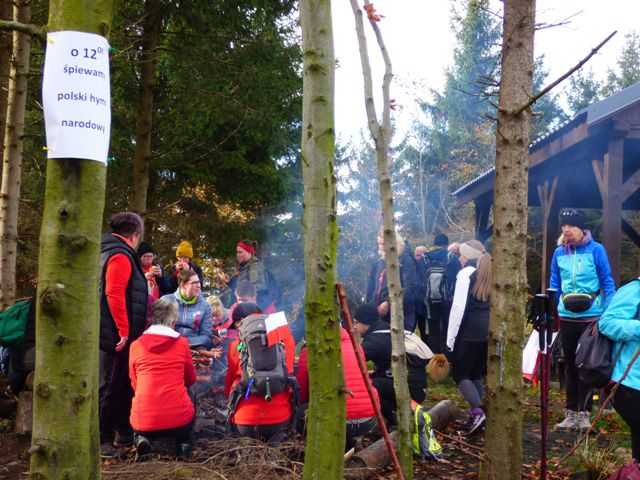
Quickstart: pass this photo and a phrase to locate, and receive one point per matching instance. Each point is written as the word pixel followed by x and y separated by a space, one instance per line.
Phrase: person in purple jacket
pixel 581 274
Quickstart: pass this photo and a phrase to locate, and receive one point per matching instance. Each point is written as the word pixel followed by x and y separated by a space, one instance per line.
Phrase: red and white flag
pixel 277 328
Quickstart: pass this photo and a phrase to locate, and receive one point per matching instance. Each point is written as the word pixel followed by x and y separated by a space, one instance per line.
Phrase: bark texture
pixel 12 155
pixel 65 441
pixel 152 29
pixel 381 133
pixel 509 293
pixel 326 416
pixel 6 41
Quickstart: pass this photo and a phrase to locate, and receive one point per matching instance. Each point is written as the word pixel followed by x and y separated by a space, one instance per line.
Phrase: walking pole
pixel 346 315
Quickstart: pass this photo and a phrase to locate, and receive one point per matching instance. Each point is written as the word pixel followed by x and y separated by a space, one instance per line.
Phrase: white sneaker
pixel 570 422
pixel 583 421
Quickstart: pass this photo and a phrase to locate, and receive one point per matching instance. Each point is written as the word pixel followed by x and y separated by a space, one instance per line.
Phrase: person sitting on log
pixel 376 343
pixel 361 417
pixel 161 370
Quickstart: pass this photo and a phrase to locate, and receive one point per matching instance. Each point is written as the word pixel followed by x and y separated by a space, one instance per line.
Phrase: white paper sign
pixel 77 96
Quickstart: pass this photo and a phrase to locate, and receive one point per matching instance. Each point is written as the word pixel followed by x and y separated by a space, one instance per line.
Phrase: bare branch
pixel 28 28
pixel 555 83
pixel 560 23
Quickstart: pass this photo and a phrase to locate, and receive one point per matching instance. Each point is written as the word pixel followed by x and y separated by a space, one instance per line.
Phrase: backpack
pixel 437 287
pixel 593 357
pixel 264 368
pixel 13 323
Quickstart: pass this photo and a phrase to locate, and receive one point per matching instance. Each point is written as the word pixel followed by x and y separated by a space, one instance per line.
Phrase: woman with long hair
pixel 468 332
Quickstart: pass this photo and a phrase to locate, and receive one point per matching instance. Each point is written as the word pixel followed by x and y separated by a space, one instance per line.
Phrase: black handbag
pixel 593 357
pixel 578 302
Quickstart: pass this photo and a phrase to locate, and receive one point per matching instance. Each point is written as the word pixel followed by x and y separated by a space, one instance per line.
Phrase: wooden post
pixel 612 193
pixel 482 210
pixel 546 197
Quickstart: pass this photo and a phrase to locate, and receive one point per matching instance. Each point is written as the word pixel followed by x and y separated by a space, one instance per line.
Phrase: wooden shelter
pixel 591 161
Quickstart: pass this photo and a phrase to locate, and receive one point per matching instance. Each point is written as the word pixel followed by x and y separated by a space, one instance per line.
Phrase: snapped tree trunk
pixel 65 440
pixel 508 295
pixel 326 416
pixel 6 40
pixel 12 155
pixel 152 29
pixel 381 133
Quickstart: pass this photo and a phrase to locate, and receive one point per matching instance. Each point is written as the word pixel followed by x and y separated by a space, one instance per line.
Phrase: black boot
pixel 143 448
pixel 184 450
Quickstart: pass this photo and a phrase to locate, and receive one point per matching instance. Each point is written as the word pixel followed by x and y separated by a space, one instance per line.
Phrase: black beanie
pixel 367 314
pixel 144 247
pixel 243 310
pixel 441 240
pixel 572 217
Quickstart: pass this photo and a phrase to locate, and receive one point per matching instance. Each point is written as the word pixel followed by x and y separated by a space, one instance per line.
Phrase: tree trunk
pixel 65 441
pixel 509 292
pixel 6 13
pixel 381 134
pixel 12 155
pixel 326 416
pixel 152 28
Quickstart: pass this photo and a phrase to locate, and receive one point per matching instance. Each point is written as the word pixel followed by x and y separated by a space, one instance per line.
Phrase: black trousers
pixel 626 401
pixel 182 434
pixel 358 428
pixel 384 385
pixel 436 322
pixel 116 394
pixel 274 433
pixel 578 394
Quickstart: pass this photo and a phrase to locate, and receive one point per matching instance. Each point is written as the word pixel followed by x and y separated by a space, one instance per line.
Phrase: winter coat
pixel 161 370
pixel 169 283
pixel 378 291
pixel 440 256
pixel 358 402
pixel 267 289
pixel 582 269
pixel 621 323
pixel 255 410
pixel 377 348
pixel 194 320
pixel 136 295
pixel 469 317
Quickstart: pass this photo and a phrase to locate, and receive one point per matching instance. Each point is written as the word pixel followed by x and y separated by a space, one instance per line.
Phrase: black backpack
pixel 593 357
pixel 437 287
pixel 264 368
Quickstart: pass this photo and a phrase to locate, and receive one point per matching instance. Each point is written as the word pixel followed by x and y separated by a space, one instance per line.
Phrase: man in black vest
pixel 123 311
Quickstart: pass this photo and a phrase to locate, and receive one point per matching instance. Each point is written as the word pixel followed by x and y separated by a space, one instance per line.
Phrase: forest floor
pixel 221 458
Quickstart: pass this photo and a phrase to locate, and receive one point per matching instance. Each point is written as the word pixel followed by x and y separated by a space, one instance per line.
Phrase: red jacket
pixel 256 410
pixel 358 402
pixel 161 369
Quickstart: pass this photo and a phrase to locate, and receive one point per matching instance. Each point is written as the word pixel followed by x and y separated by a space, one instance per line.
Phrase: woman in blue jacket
pixel 581 274
pixel 621 324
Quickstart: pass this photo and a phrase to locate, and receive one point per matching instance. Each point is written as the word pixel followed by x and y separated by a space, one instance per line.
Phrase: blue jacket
pixel 582 269
pixel 620 323
pixel 194 320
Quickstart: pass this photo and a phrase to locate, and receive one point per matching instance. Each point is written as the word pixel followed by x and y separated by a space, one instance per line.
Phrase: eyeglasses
pixel 197 282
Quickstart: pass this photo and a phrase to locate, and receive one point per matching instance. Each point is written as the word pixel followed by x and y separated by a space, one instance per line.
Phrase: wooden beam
pixel 612 203
pixel 546 196
pixel 631 185
pixel 598 168
pixel 564 141
pixel 631 232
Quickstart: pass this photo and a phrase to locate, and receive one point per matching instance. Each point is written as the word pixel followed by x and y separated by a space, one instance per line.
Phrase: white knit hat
pixel 469 252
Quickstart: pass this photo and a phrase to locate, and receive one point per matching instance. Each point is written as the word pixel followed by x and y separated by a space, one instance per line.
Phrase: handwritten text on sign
pixel 77 96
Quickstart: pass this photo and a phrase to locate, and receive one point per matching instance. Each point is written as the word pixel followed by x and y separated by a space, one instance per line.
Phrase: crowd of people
pixel 154 322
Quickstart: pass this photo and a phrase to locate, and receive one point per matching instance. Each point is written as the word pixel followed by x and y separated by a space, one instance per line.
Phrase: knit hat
pixel 441 240
pixel 144 247
pixel 184 249
pixel 247 247
pixel 367 314
pixel 572 217
pixel 470 252
pixel 243 310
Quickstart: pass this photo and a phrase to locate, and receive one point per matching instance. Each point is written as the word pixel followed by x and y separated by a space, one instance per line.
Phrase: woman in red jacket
pixel 161 370
pixel 254 416
pixel 361 416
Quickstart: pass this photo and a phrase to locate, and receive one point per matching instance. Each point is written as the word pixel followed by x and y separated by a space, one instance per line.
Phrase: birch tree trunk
pixel 326 416
pixel 508 296
pixel 152 28
pixel 65 440
pixel 6 40
pixel 381 133
pixel 12 154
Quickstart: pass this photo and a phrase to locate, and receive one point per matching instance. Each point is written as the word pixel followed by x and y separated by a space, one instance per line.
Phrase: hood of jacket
pixel 159 338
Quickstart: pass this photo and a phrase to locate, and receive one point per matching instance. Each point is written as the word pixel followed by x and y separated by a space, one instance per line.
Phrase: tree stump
pixel 24 414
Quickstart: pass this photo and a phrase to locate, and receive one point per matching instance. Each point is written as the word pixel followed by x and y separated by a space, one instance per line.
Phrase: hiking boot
pixel 184 450
pixel 123 440
pixel 107 450
pixel 583 421
pixel 143 448
pixel 570 421
pixel 476 421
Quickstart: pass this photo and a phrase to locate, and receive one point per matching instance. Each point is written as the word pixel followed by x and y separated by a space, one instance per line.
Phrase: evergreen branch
pixel 28 28
pixel 555 83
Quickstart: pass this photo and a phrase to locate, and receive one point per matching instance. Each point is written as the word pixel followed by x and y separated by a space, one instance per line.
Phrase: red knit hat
pixel 246 247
